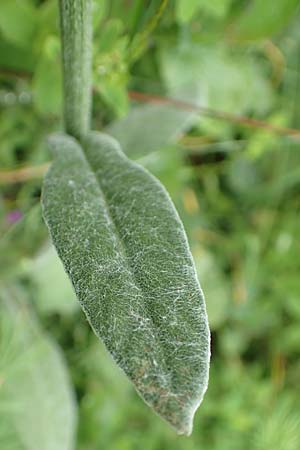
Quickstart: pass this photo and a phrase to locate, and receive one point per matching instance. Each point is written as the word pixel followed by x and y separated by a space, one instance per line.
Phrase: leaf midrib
pixel 126 257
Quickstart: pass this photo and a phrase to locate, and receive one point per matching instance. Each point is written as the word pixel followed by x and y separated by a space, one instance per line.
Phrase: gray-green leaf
pixel 125 250
pixel 165 123
pixel 37 399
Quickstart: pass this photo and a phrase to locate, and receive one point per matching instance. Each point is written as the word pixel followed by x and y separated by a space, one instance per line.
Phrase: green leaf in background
pixel 217 9
pixel 114 93
pixel 280 429
pixel 35 382
pixel 17 21
pixel 20 234
pixel 187 9
pixel 111 68
pixel 47 82
pixel 262 18
pixel 14 57
pixel 216 78
pixel 164 123
pixel 99 12
pixel 215 287
pixel 125 250
pixel 110 33
pixel 53 291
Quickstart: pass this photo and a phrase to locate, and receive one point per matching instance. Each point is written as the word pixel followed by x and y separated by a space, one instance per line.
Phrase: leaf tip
pixel 180 415
pixel 186 428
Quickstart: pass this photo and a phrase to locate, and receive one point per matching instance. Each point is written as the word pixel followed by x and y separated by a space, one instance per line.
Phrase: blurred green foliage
pixel 236 188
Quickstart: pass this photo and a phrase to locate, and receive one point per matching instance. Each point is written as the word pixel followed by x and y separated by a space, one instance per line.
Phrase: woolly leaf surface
pixel 124 247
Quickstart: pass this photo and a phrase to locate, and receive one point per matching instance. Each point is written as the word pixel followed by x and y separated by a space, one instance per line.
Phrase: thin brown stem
pixel 214 114
pixel 23 174
pixel 209 112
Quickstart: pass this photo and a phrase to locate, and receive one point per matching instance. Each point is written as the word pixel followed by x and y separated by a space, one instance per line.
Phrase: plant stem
pixel 23 174
pixel 76 38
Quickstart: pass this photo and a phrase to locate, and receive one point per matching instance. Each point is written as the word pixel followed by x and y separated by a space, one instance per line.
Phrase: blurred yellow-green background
pixel 159 68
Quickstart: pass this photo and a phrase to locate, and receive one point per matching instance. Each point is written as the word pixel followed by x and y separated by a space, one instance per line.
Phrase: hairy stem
pixel 76 37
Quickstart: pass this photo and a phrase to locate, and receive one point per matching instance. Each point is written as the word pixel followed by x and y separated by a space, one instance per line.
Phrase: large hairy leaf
pixel 125 250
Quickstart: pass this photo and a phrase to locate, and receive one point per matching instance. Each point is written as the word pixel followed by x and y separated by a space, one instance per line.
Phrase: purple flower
pixel 14 216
